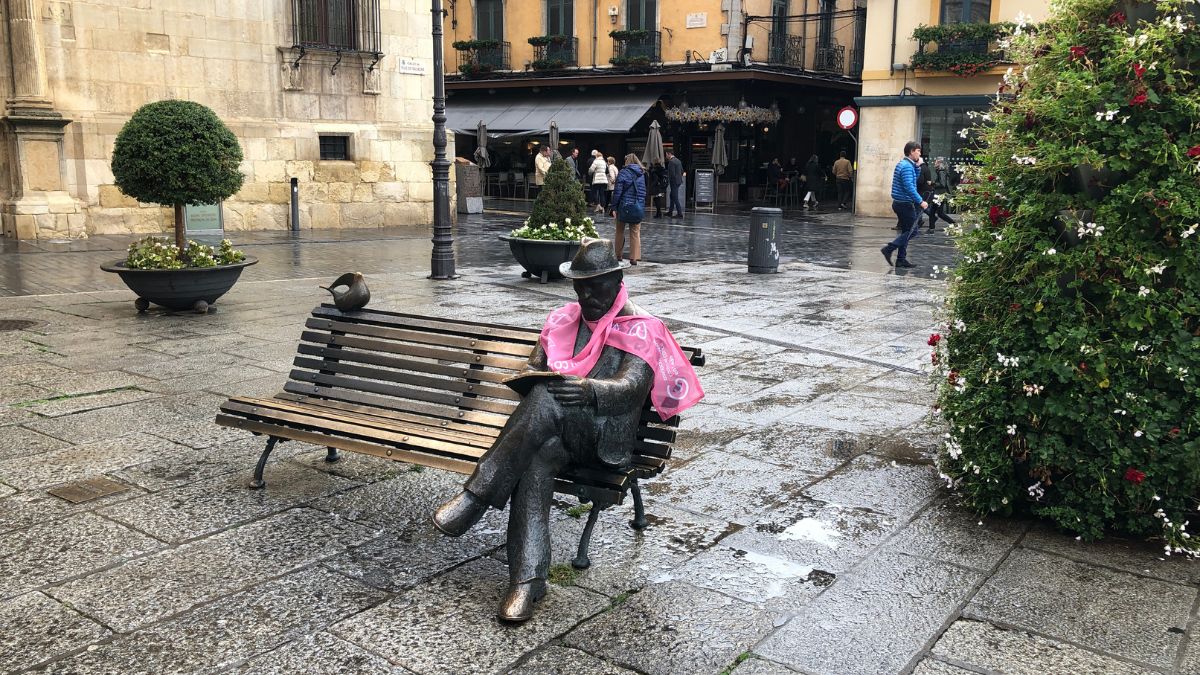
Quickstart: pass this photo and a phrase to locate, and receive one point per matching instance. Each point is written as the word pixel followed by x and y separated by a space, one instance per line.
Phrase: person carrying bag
pixel 629 207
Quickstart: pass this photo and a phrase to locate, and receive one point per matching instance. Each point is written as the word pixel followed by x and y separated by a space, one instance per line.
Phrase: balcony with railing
pixel 964 49
pixel 636 48
pixel 554 52
pixel 807 43
pixel 336 26
pixel 479 57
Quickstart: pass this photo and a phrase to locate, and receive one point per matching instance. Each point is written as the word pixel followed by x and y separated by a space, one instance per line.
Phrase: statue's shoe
pixel 457 516
pixel 517 606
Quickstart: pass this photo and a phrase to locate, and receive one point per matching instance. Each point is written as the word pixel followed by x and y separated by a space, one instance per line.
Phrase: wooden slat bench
pixel 427 391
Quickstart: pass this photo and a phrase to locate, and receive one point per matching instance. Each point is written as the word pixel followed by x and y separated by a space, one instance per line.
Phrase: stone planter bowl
pixel 193 288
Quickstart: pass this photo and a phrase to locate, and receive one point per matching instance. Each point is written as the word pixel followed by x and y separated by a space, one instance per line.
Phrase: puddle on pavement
pixel 811 529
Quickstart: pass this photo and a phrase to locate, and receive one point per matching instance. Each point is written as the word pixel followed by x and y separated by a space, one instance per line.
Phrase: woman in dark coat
pixel 630 192
pixel 814 181
pixel 658 187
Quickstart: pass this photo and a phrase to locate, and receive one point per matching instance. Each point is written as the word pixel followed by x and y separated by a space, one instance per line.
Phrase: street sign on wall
pixel 847 118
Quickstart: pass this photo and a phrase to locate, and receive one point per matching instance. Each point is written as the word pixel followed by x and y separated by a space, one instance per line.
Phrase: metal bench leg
pixel 639 521
pixel 581 561
pixel 332 455
pixel 258 481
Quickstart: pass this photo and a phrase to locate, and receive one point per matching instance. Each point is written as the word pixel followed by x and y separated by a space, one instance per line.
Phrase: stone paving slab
pixel 984 646
pixel 774 584
pixel 40 629
pixel 749 486
pixel 1136 618
pixel 25 509
pixel 21 442
pixel 448 625
pixel 214 504
pixel 673 629
pixel 564 661
pixel 174 580
pixel 320 653
pixel 947 533
pixel 877 619
pixel 230 630
pixel 52 552
pixel 879 484
pixel 84 461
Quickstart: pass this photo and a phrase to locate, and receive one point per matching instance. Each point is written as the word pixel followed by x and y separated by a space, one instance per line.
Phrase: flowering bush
pixel 558 211
pixel 157 253
pixel 724 113
pixel 1067 369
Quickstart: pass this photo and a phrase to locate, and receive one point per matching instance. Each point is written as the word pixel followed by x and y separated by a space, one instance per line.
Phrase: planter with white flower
pixel 176 153
pixel 552 233
pixel 1069 368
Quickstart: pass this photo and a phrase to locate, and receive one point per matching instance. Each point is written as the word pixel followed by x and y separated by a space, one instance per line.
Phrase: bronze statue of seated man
pixel 611 355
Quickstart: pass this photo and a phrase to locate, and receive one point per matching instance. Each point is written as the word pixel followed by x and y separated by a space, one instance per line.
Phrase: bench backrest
pixel 416 369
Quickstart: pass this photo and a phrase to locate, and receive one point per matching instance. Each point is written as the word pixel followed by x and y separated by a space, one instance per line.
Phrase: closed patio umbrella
pixel 481 152
pixel 720 158
pixel 654 147
pixel 554 137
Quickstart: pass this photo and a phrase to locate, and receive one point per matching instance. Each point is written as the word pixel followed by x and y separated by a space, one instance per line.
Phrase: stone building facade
pixel 334 93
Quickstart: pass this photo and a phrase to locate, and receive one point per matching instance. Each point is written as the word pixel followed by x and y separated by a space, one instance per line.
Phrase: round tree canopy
pixel 177 152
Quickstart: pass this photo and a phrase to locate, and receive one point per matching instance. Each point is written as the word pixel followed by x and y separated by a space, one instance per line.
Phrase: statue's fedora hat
pixel 595 258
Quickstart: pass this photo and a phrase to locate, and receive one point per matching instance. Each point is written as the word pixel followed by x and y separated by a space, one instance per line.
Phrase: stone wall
pixel 106 58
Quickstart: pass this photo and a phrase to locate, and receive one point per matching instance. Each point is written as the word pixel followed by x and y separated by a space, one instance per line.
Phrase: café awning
pixel 530 115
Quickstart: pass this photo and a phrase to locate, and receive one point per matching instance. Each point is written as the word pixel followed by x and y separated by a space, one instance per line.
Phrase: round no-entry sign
pixel 847 117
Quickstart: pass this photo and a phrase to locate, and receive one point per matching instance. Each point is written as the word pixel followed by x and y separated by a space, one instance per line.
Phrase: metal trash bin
pixel 764 239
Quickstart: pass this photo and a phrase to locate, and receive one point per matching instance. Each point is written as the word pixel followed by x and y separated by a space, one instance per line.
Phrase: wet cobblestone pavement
pixel 800 526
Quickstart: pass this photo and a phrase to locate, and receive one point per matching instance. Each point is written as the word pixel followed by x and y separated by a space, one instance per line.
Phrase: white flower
pixel 1120 411
pixel 1092 229
pixel 998 236
pixel 1106 116
pixel 1011 429
pixel 959 325
pixel 1030 161
pixel 1051 251
pixel 963 133
pixel 1190 231
pixel 1033 389
pixel 1013 361
pixel 1157 269
pixel 1143 292
pixel 1138 433
pixel 1036 492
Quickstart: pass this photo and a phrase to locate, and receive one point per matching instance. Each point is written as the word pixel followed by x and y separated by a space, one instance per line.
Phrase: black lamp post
pixel 442 258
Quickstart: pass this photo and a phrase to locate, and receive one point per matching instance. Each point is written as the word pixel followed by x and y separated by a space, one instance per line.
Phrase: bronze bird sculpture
pixel 356 294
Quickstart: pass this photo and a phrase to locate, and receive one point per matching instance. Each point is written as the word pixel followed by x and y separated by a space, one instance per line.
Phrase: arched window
pixel 966 11
pixel 560 17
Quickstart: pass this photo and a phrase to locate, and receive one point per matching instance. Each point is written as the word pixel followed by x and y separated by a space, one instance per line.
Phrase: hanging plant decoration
pixel 724 113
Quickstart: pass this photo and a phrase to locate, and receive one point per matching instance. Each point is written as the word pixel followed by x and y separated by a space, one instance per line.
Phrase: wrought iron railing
pixel 795 44
pixel 562 52
pixel 786 50
pixel 484 58
pixel 638 50
pixel 337 25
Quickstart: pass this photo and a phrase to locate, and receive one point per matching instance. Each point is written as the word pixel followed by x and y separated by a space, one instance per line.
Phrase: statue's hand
pixel 572 391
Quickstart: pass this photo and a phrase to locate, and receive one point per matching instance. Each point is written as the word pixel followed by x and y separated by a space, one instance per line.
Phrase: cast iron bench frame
pixel 427 391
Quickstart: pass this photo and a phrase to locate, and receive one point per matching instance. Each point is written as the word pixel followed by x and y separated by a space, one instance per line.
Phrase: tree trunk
pixel 179 228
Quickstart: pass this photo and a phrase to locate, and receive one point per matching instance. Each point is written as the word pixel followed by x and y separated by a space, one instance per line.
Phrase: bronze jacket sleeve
pixel 626 389
pixel 537 360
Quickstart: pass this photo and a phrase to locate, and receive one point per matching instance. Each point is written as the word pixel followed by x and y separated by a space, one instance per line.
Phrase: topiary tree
pixel 176 153
pixel 560 210
pixel 1068 368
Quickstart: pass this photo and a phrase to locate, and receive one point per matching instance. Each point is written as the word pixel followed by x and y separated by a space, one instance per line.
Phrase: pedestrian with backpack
pixel 628 207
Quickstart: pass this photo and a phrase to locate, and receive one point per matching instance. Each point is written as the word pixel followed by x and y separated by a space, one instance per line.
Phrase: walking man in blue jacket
pixel 907 203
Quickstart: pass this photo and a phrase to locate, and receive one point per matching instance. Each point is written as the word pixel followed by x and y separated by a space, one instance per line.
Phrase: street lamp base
pixel 436 277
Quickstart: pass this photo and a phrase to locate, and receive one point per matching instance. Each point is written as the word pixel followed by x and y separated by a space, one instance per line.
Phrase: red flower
pixel 997 215
pixel 1194 151
pixel 952 377
pixel 934 339
pixel 991 178
pixel 933 356
pixel 1134 476
pixel 1139 99
pixel 1014 306
pixel 1083 365
pixel 1162 203
pixel 1078 52
pixel 1139 70
pixel 1175 431
pixel 1116 19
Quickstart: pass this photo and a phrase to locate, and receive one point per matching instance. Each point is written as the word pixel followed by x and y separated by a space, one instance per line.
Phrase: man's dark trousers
pixel 675 206
pixel 843 190
pixel 909 214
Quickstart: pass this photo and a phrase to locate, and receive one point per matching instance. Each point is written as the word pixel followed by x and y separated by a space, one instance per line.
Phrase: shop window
pixel 335 147
pixel 942 145
pixel 966 11
pixel 560 17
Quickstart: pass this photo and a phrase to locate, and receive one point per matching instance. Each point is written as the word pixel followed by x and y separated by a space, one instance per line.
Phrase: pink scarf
pixel 676 387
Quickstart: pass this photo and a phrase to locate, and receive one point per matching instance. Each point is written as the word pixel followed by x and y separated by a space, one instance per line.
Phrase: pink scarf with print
pixel 676 387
